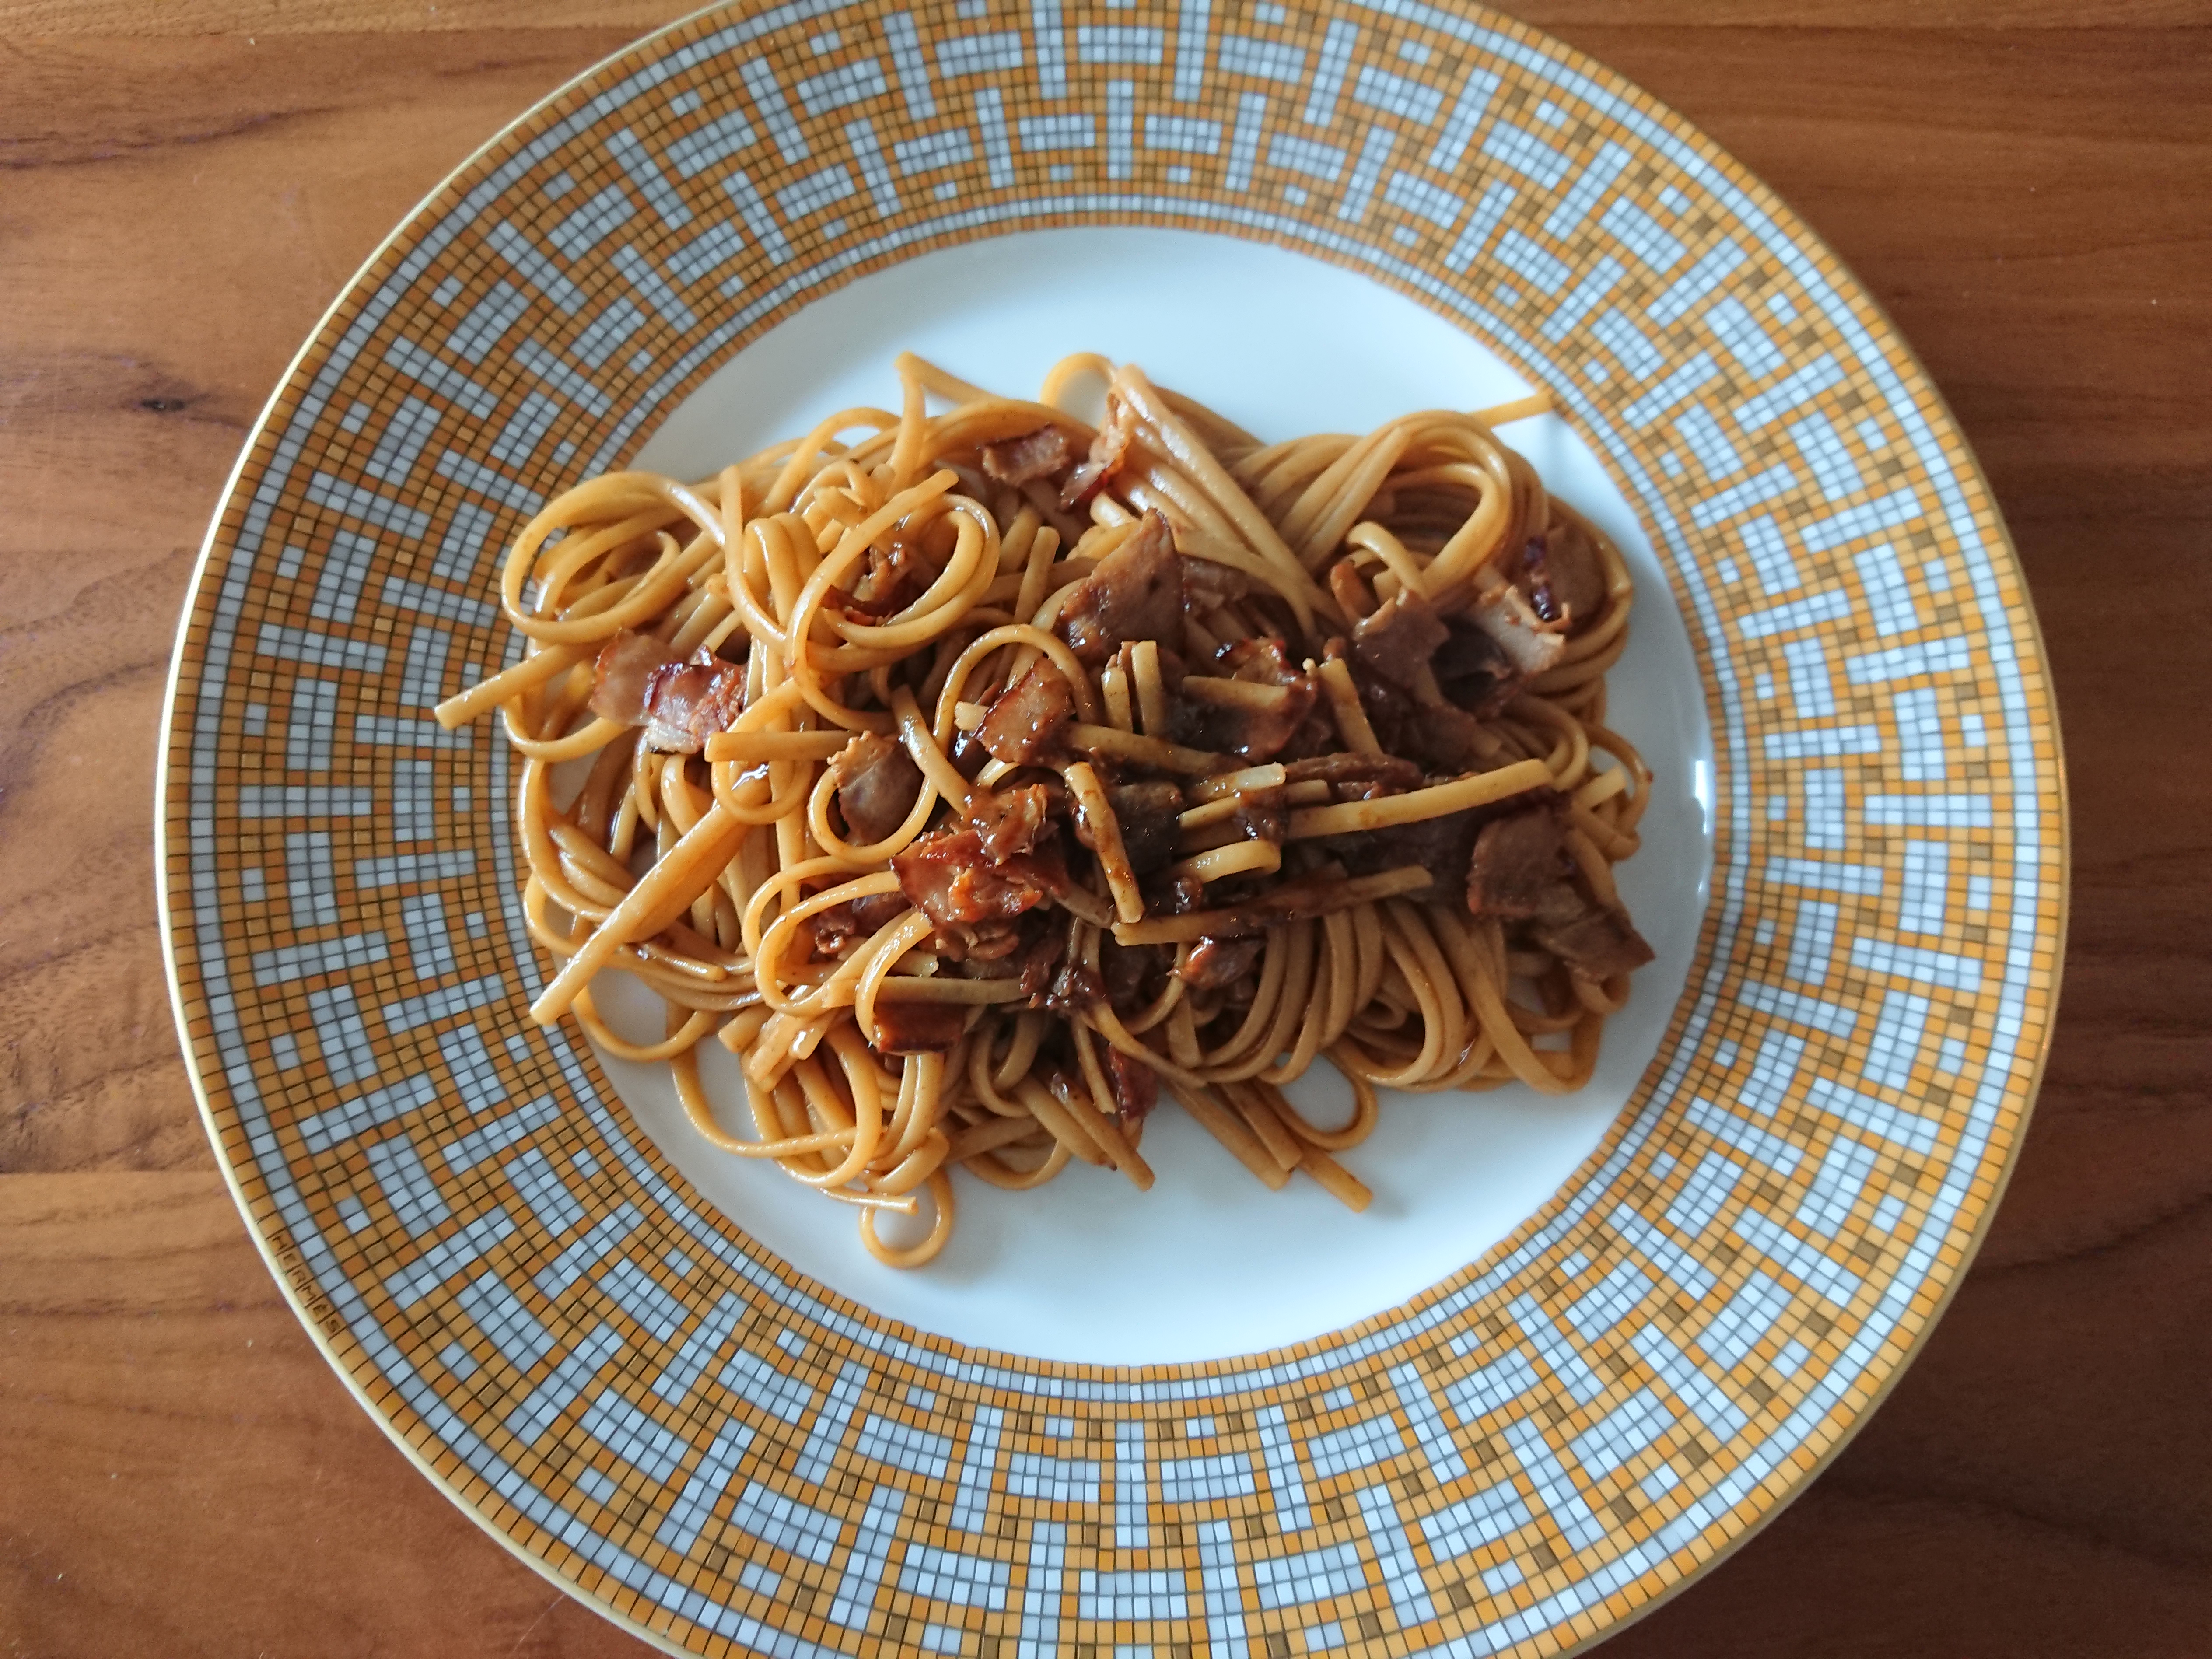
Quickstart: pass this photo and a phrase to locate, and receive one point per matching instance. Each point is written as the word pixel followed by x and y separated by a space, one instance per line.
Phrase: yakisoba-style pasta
pixel 977 777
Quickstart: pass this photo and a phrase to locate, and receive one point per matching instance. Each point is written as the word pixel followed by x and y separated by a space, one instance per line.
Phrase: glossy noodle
pixel 985 780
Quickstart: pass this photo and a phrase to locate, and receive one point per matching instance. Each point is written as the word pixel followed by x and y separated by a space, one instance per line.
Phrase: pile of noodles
pixel 705 874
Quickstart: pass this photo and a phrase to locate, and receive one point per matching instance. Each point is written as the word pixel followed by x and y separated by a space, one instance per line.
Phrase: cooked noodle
pixel 1149 757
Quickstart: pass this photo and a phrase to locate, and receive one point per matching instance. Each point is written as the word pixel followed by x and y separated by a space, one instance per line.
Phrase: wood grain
pixel 2023 185
pixel 190 17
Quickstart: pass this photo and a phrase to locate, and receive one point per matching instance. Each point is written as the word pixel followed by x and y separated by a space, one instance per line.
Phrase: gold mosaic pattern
pixel 715 1449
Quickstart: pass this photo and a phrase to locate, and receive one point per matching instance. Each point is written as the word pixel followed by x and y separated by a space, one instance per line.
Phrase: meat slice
pixel 1263 661
pixel 878 784
pixel 1255 728
pixel 1516 859
pixel 1023 724
pixel 1136 593
pixel 1261 815
pixel 1472 671
pixel 1135 1086
pixel 1207 586
pixel 1215 962
pixel 622 676
pixel 1104 460
pixel 1147 814
pixel 1073 988
pixel 1443 846
pixel 899 569
pixel 1008 822
pixel 1562 577
pixel 1439 735
pixel 638 681
pixel 917 1028
pixel 1134 974
pixel 1173 895
pixel 1050 936
pixel 968 755
pixel 1398 639
pixel 1530 644
pixel 855 919
pixel 1600 944
pixel 1254 709
pixel 693 701
pixel 948 876
pixel 1037 455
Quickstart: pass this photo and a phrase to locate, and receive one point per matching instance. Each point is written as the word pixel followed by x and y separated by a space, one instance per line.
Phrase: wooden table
pixel 2025 184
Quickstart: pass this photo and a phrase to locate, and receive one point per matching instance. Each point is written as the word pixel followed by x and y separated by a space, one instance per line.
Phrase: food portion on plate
pixel 982 780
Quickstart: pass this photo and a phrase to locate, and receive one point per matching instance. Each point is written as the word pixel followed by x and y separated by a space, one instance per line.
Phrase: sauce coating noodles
pixel 977 777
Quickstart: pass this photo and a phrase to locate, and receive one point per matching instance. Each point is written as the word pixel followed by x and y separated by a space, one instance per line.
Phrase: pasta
pixel 977 777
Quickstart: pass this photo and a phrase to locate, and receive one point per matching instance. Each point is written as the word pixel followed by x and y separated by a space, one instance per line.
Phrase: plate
pixel 1578 1349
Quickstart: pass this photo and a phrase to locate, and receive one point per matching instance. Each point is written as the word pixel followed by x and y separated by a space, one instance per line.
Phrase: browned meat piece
pixel 1135 1085
pixel 856 919
pixel 1534 579
pixel 1261 815
pixel 1358 777
pixel 1024 721
pixel 917 1028
pixel 1444 847
pixel 1254 709
pixel 1147 813
pixel 1215 962
pixel 1008 822
pixel 1441 738
pixel 693 701
pixel 878 784
pixel 1207 586
pixel 947 875
pixel 1599 945
pixel 1473 669
pixel 1530 644
pixel 1259 662
pixel 1398 640
pixel 968 755
pixel 1136 593
pixel 1517 858
pixel 637 681
pixel 1174 895
pixel 1042 957
pixel 1561 577
pixel 1073 988
pixel 985 941
pixel 1316 733
pixel 1058 799
pixel 1134 974
pixel 1037 455
pixel 877 908
pixel 897 571
pixel 622 677
pixel 1256 730
pixel 832 930
pixel 1098 468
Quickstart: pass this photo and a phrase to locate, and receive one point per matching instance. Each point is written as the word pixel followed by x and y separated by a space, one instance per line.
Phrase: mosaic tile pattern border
pixel 674 1423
